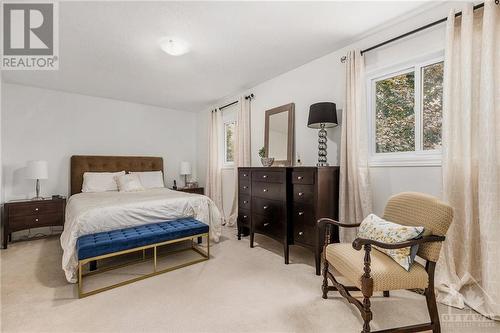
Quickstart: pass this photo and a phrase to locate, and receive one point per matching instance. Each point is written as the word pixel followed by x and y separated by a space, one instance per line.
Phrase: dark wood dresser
pixel 285 204
pixel 29 214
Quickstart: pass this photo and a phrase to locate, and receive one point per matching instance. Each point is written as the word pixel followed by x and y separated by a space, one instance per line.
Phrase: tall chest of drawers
pixel 262 204
pixel 285 204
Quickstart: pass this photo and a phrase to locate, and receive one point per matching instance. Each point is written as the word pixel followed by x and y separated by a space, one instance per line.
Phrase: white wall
pixel 324 80
pixel 53 125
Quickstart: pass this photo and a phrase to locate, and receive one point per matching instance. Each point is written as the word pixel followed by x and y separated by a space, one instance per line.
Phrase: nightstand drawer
pixel 35 208
pixel 35 221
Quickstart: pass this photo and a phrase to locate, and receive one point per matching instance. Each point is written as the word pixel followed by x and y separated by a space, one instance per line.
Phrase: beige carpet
pixel 238 290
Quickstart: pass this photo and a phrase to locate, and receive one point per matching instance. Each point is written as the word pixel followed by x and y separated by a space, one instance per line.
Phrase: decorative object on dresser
pixel 279 134
pixel 266 161
pixel 28 214
pixel 197 190
pixel 322 115
pixel 37 170
pixel 284 203
pixel 185 171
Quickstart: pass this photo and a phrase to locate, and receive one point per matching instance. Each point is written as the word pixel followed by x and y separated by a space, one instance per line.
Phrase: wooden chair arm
pixel 324 221
pixel 358 243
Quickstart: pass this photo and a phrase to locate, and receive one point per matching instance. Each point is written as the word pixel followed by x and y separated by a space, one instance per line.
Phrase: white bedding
pixel 88 213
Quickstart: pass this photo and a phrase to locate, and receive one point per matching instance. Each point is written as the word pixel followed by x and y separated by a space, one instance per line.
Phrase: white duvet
pixel 88 213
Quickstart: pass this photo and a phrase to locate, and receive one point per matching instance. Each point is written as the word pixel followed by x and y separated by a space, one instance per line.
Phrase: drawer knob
pixel 300 233
pixel 244 175
pixel 244 216
pixel 265 207
pixel 301 213
pixel 299 177
pixel 264 190
pixel 245 202
pixel 36 220
pixel 264 176
pixel 266 224
pixel 36 209
pixel 245 187
pixel 301 194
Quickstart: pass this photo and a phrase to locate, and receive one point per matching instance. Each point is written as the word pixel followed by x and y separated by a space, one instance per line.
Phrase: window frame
pixel 418 157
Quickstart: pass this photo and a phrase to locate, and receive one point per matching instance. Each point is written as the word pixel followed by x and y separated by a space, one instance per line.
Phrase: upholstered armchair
pixel 370 270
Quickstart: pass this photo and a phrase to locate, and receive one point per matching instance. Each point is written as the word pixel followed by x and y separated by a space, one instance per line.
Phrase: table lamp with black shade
pixel 322 115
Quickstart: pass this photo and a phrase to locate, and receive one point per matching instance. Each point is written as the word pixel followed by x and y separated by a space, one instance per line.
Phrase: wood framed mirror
pixel 279 134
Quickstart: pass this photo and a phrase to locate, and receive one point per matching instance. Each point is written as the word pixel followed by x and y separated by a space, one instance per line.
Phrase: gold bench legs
pixel 195 247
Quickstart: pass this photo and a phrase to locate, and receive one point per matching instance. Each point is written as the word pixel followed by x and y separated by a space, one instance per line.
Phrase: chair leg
pixel 430 297
pixel 324 287
pixel 386 293
pixel 367 314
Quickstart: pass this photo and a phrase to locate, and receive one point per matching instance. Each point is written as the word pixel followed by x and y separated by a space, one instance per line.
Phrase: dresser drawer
pixel 34 221
pixel 268 190
pixel 244 202
pixel 268 226
pixel 303 214
pixel 268 176
pixel 244 187
pixel 34 208
pixel 303 193
pixel 244 218
pixel 268 208
pixel 304 234
pixel 303 177
pixel 243 174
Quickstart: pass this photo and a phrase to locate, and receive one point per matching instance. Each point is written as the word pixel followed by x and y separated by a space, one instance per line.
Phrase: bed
pixel 88 213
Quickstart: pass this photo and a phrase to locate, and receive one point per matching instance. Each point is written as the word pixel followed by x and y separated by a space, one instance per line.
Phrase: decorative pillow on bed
pixel 100 181
pixel 376 228
pixel 150 179
pixel 129 183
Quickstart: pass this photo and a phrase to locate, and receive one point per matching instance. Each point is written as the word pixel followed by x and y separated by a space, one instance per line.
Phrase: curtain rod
pixel 232 103
pixel 343 59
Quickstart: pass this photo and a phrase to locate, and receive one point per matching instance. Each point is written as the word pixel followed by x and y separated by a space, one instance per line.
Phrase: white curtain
pixel 242 150
pixel 214 181
pixel 355 191
pixel 468 271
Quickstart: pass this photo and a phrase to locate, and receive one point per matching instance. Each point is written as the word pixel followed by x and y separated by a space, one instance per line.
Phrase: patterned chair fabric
pixel 386 273
pixel 418 209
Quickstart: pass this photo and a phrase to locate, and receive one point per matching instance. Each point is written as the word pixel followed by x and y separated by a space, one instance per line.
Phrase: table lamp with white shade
pixel 185 171
pixel 37 170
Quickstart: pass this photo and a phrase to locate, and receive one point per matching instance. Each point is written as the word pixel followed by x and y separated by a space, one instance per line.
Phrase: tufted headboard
pixel 82 163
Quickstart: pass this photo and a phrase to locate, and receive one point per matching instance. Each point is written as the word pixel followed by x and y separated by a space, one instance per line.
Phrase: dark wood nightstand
pixel 196 190
pixel 27 214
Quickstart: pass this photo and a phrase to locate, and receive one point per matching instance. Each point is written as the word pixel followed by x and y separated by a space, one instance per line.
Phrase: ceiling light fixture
pixel 174 46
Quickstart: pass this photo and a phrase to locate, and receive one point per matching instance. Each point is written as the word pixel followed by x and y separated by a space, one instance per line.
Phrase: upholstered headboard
pixel 81 164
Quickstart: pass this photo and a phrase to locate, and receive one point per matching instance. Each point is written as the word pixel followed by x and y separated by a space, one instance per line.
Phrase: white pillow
pixel 150 179
pixel 100 181
pixel 129 183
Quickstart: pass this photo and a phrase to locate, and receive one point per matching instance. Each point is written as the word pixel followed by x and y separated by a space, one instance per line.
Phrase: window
pixel 406 114
pixel 229 128
pixel 227 135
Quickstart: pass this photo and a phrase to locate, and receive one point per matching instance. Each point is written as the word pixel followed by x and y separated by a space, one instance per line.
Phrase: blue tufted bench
pixel 117 242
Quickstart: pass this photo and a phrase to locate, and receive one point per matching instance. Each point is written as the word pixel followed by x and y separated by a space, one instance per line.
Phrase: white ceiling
pixel 110 49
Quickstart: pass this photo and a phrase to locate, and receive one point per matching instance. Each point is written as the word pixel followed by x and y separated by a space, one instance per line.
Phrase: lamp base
pixel 37 198
pixel 322 161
